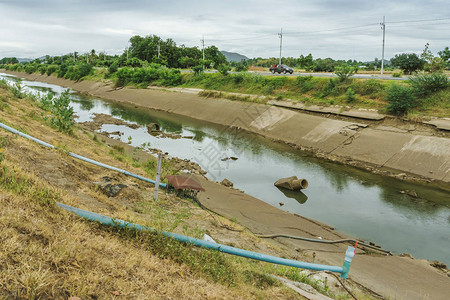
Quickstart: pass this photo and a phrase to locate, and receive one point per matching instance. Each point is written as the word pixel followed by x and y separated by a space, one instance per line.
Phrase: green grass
pixel 21 185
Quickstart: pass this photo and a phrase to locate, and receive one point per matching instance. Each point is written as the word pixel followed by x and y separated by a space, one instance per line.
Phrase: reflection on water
pixel 297 195
pixel 356 202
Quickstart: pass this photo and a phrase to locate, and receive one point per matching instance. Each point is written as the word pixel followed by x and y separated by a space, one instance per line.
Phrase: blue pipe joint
pixel 349 254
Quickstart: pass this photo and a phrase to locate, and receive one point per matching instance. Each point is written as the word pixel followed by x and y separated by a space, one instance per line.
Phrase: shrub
pixel 328 88
pixel 17 90
pixel 58 111
pixel 350 96
pixel 124 76
pixel 305 83
pixel 62 112
pixel 113 68
pixel 401 99
pixel 344 72
pixel 51 69
pixel 425 84
pixel 171 77
pixel 397 74
pixel 370 87
pixel 42 69
pixel 223 69
pixel 30 68
pixel 241 67
pixel 197 69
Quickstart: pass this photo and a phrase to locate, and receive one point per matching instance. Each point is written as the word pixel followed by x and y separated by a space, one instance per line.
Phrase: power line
pixel 335 29
pixel 417 21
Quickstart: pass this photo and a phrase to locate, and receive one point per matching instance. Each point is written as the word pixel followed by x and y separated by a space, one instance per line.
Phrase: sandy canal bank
pixel 404 153
pixel 390 276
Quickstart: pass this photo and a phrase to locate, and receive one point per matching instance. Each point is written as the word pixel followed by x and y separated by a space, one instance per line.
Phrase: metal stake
pixel 158 177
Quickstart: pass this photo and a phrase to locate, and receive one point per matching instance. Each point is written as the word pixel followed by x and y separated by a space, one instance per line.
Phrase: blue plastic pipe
pixel 91 161
pixel 211 245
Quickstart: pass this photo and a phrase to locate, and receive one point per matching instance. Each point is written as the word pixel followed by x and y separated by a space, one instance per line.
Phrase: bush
pixel 30 69
pixel 124 76
pixel 17 90
pixel 328 88
pixel 51 69
pixel 397 74
pixel 113 68
pixel 401 99
pixel 223 69
pixel 61 113
pixel 241 67
pixel 77 72
pixel 344 72
pixel 305 83
pixel 350 95
pixel 425 84
pixel 197 69
pixel 171 77
pixel 42 69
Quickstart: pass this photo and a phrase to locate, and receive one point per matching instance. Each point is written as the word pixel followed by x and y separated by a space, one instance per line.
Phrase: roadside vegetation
pixel 151 61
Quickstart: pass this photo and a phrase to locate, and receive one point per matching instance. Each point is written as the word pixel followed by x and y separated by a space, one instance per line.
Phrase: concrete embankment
pixel 378 149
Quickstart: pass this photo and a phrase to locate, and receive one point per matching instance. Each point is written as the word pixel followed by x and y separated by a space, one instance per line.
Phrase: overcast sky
pixel 341 29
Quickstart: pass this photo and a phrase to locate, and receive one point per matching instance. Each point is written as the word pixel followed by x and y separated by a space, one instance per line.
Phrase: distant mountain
pixel 386 62
pixel 21 60
pixel 231 56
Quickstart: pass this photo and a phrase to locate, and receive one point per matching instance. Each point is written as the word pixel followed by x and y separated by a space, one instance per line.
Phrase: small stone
pixel 226 183
pixel 412 194
pixel 438 265
pixel 281 203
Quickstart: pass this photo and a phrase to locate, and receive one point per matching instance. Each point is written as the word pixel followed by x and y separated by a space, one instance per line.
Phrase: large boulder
pixel 292 183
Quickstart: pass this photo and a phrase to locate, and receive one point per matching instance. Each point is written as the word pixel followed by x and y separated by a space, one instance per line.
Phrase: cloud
pixel 325 28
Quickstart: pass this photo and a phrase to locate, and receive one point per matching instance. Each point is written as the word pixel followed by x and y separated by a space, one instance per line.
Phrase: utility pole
pixel 203 50
pixel 383 26
pixel 281 43
pixel 159 48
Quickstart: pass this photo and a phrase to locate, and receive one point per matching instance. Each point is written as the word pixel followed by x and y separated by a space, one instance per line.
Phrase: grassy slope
pixel 48 253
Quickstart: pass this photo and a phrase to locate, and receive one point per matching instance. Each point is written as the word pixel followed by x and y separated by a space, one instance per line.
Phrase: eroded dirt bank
pixel 380 149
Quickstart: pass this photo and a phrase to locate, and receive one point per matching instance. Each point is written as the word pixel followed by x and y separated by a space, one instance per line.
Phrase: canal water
pixel 361 204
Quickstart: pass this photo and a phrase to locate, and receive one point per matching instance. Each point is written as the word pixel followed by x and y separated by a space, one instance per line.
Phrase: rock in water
pixel 292 183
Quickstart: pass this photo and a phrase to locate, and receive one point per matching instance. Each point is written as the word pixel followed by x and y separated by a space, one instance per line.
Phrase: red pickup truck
pixel 281 68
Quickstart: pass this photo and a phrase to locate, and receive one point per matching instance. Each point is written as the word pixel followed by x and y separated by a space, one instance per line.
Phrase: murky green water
pixel 361 204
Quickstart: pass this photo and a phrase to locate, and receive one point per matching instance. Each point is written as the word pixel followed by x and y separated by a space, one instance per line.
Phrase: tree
pixel 212 53
pixel 445 56
pixel 408 62
pixel 305 61
pixel 344 72
pixel 432 64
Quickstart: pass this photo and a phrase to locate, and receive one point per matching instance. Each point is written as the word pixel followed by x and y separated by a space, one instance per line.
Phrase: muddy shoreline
pixel 407 156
